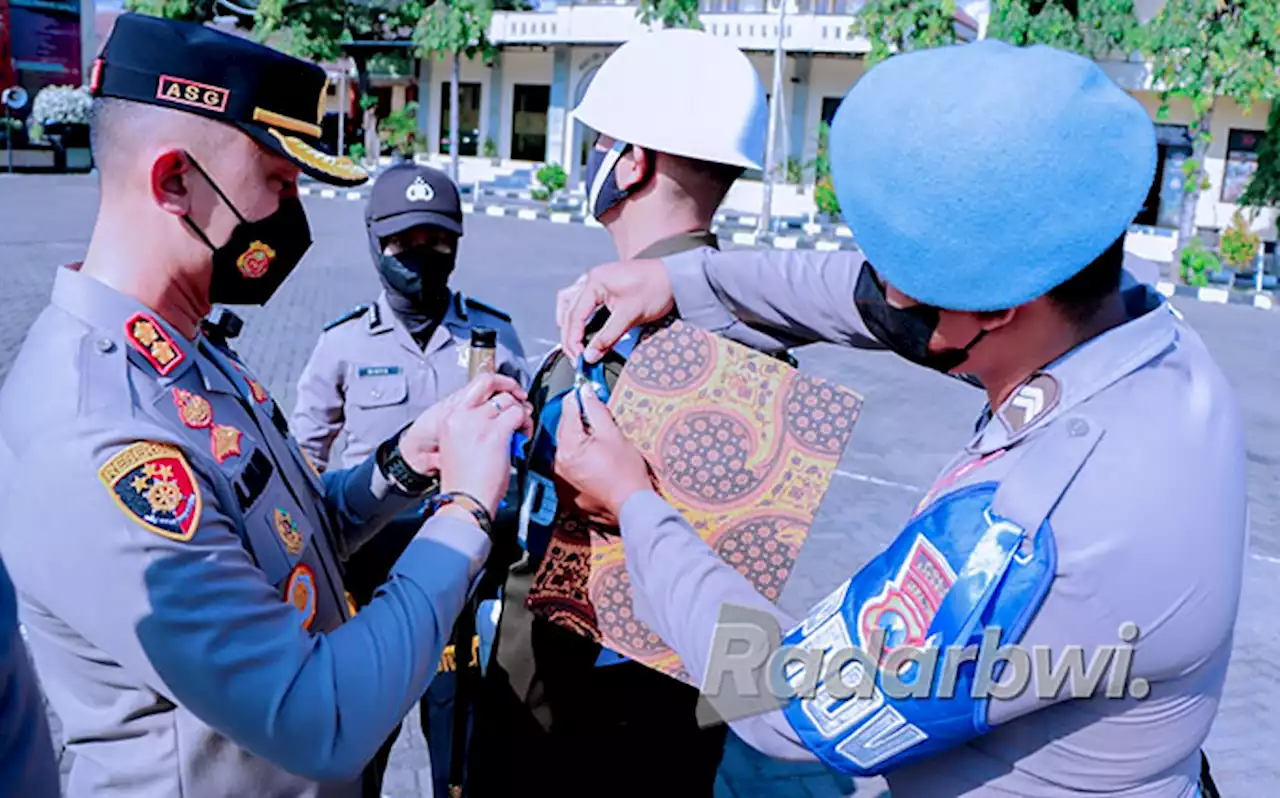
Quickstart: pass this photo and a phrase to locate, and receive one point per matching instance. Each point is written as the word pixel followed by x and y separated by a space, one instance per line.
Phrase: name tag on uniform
pixel 377 371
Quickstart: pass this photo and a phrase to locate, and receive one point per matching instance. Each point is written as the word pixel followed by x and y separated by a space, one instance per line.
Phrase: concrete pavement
pixel 912 421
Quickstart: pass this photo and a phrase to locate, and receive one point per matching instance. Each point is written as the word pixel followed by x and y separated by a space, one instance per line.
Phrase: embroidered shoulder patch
pixel 155 486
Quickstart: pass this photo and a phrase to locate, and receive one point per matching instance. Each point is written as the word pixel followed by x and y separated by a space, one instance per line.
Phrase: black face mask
pixel 259 255
pixel 607 194
pixel 906 330
pixel 419 274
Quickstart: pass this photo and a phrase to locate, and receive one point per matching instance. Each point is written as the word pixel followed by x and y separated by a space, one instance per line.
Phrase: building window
pixel 1242 162
pixel 835 7
pixel 829 106
pixel 529 122
pixel 468 118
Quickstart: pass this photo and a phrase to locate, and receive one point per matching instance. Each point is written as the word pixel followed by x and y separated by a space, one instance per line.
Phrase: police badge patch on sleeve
pixel 155 486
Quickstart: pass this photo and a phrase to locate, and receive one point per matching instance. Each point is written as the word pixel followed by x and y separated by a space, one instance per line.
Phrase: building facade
pixel 517 108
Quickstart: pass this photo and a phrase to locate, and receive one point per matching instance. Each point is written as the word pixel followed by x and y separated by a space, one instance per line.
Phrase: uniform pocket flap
pixel 378 389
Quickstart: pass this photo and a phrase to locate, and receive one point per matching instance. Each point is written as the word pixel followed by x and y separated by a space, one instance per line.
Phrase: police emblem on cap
pixel 253 262
pixel 419 191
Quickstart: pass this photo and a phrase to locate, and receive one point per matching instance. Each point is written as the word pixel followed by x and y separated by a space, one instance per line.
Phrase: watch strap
pixel 467 502
pixel 394 468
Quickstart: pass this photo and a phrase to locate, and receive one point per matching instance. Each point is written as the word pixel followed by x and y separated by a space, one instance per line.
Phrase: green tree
pixel 455 28
pixel 899 26
pixel 1095 28
pixel 184 10
pixel 1204 50
pixel 671 13
pixel 1264 186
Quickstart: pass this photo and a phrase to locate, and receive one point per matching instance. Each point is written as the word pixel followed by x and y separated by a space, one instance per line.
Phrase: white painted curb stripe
pixel 561 218
pixel 495 210
pixel 1218 295
pixel 826 246
pixel 526 214
pixel 784 243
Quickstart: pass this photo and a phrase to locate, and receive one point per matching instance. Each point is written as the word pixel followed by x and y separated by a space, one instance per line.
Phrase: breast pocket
pixel 378 387
pixel 278 532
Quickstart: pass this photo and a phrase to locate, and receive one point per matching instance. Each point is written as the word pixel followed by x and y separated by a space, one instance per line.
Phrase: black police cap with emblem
pixel 408 195
pixel 276 99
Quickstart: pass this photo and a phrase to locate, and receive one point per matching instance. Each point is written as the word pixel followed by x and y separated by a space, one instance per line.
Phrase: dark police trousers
pixel 366 570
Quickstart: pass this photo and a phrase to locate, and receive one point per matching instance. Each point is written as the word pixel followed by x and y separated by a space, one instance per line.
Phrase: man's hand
pixel 635 291
pixel 600 463
pixel 420 443
pixel 475 446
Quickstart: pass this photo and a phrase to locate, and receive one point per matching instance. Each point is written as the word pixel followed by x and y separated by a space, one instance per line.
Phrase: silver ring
pixel 497 403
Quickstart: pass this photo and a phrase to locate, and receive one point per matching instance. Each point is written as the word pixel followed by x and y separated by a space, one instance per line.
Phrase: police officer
pixel 378 367
pixel 990 188
pixel 178 562
pixel 552 694
pixel 27 763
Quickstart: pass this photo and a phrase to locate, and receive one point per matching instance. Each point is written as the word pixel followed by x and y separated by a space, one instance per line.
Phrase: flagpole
pixel 775 99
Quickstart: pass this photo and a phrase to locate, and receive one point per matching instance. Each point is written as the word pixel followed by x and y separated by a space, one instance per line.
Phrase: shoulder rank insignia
pixel 225 442
pixel 155 486
pixel 147 336
pixel 354 313
pixel 1033 399
pixel 288 531
pixel 351 604
pixel 300 591
pixel 489 309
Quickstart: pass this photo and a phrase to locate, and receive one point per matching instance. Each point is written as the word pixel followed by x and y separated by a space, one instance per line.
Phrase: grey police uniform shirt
pixel 27 764
pixel 178 567
pixel 1139 539
pixel 367 377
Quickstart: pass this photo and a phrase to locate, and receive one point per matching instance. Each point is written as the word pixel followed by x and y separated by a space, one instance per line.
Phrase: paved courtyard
pixel 912 421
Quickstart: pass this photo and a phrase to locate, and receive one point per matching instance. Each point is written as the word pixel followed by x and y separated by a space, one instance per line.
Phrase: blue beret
pixel 980 176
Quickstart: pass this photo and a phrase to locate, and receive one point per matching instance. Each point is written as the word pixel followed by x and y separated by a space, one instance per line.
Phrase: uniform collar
pixel 1083 372
pixel 679 243
pixel 383 320
pixel 151 343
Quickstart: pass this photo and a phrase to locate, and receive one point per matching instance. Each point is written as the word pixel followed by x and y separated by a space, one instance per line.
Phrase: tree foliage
pixel 455 27
pixel 899 26
pixel 1264 186
pixel 1094 28
pixel 317 29
pixel 184 10
pixel 671 13
pixel 1201 50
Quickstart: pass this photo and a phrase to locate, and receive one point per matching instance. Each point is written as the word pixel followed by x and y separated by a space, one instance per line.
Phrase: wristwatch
pixel 394 468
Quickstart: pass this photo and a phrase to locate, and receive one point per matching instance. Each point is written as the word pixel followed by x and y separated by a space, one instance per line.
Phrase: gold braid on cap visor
pixel 340 167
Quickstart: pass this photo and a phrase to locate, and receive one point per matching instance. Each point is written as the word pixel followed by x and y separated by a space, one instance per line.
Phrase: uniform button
pixel 106 345
pixel 1078 428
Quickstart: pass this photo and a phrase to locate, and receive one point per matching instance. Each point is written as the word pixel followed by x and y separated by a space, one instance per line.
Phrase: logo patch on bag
pixel 300 591
pixel 288 531
pixel 193 409
pixel 189 92
pixel 147 336
pixel 153 483
pixel 225 441
pixel 906 606
pixel 253 262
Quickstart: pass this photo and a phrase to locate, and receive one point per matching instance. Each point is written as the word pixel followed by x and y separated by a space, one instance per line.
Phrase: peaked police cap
pixel 980 176
pixel 275 99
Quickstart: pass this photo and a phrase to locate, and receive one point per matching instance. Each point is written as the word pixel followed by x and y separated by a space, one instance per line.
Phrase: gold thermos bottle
pixel 483 356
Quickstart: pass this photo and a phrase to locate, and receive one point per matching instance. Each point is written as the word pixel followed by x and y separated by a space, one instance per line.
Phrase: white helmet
pixel 683 92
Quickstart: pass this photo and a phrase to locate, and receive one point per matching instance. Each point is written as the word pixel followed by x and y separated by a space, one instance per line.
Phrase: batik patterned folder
pixel 742 444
